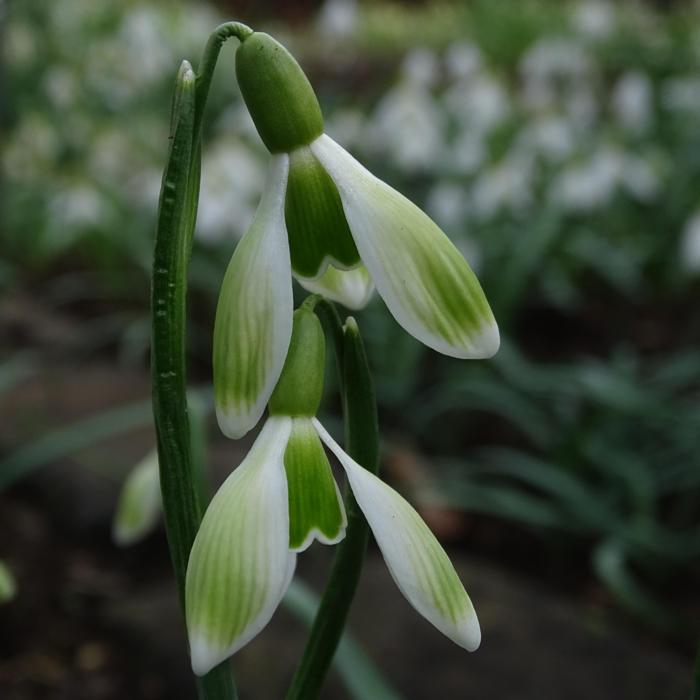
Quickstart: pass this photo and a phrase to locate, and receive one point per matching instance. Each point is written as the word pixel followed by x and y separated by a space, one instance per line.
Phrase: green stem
pixel 207 64
pixel 362 444
pixel 182 506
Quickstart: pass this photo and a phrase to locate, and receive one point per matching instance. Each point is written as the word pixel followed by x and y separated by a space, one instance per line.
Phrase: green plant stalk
pixel 362 444
pixel 182 506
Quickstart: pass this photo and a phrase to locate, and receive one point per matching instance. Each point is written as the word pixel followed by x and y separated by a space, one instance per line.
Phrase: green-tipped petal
pixel 240 565
pixel 315 506
pixel 139 504
pixel 351 288
pixel 254 315
pixel 417 563
pixel 425 282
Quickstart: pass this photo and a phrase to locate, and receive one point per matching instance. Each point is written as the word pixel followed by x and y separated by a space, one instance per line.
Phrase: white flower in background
pixel 232 177
pixel 467 153
pixel 447 203
pixel 144 40
pixel 462 60
pixel 61 86
pixel 479 102
pixel 639 178
pixel 421 67
pixel 558 71
pixel 690 244
pixel 632 101
pixel 552 137
pixel 504 187
pixel 280 499
pixel 78 206
pixel 19 44
pixel 407 124
pixel 594 19
pixel 589 185
pixel 556 58
pixel 321 209
pixel 682 94
pixel 337 18
pixel 139 507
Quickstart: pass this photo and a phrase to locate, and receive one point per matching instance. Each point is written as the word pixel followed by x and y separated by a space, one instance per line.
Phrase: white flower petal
pixel 425 282
pixel 417 563
pixel 240 565
pixel 351 288
pixel 254 315
pixel 139 505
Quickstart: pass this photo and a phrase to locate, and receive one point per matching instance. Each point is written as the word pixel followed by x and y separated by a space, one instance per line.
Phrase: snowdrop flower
pixel 594 19
pixel 479 102
pixel 552 137
pixel 321 210
pixel 504 186
pixel 408 125
pixel 682 94
pixel 590 185
pixel 337 18
pixel 690 244
pixel 462 60
pixel 632 101
pixel 139 507
pixel 281 498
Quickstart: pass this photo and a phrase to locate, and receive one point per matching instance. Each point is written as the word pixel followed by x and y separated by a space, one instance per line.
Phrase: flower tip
pixel 232 424
pixel 488 341
pixel 469 633
pixel 204 657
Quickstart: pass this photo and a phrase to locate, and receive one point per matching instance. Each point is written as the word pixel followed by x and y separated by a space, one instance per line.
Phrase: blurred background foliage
pixel 556 143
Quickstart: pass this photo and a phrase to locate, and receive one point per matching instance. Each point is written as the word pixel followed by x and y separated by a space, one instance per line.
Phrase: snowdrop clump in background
pixel 408 125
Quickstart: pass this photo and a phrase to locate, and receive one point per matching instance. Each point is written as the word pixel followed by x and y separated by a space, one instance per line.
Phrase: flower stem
pixel 182 505
pixel 362 444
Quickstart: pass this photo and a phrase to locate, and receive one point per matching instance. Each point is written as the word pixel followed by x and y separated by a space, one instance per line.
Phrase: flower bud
pixel 278 95
pixel 300 387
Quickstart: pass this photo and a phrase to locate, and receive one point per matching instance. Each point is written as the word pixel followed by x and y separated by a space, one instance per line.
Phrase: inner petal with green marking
pixel 316 224
pixel 315 506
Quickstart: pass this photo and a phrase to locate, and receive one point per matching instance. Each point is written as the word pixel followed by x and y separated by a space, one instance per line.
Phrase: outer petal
pixel 424 280
pixel 240 565
pixel 139 505
pixel 254 315
pixel 417 563
pixel 351 288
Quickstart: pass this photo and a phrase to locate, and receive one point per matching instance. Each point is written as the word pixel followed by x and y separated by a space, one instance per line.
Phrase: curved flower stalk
pixel 340 231
pixel 281 498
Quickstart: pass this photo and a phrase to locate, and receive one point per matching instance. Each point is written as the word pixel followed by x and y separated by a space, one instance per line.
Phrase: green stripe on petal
pixel 139 506
pixel 316 225
pixel 417 563
pixel 254 314
pixel 351 288
pixel 315 506
pixel 240 565
pixel 425 282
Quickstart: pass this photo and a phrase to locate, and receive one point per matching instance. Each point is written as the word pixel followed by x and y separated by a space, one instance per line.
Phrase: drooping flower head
pixel 340 231
pixel 281 498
